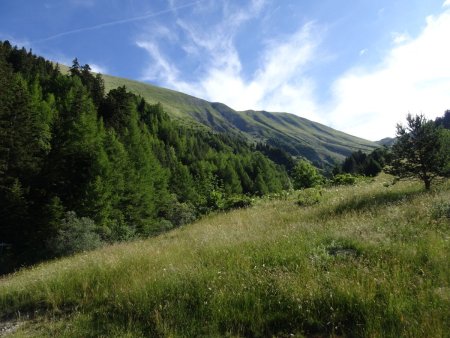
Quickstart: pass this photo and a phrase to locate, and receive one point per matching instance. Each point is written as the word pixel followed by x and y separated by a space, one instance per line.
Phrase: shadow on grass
pixel 373 202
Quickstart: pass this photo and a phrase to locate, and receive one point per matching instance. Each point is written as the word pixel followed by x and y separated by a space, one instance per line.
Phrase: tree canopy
pixel 422 150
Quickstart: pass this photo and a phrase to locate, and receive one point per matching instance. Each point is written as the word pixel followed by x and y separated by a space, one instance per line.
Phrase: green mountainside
pixel 387 141
pixel 296 135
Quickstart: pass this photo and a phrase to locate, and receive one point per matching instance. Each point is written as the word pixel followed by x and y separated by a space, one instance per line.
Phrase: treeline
pixel 79 166
pixel 359 163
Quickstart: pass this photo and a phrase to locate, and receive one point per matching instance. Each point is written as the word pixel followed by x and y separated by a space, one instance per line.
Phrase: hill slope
pixel 298 136
pixel 368 261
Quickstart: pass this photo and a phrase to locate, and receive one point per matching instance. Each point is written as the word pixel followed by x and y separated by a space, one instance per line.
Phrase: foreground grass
pixel 366 261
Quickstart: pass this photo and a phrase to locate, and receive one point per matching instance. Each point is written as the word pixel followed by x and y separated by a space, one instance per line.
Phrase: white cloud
pixel 414 78
pixel 96 68
pixel 275 86
pixel 279 84
pixel 399 38
pixel 161 68
pixel 363 51
pixel 446 3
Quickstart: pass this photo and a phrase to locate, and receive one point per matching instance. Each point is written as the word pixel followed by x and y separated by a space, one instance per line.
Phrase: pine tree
pixel 421 151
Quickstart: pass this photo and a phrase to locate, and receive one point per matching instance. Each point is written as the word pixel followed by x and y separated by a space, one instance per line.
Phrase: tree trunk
pixel 427 184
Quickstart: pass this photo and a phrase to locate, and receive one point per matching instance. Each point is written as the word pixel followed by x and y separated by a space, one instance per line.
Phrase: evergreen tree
pixel 75 69
pixel 117 108
pixel 444 121
pixel 422 151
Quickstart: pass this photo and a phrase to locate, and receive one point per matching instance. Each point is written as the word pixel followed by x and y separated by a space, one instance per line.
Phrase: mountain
pixel 298 136
pixel 387 141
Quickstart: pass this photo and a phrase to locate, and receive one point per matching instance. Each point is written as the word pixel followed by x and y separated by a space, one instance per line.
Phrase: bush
pixel 215 200
pixel 441 210
pixel 75 235
pixel 181 213
pixel 305 175
pixel 309 197
pixel 237 202
pixel 344 179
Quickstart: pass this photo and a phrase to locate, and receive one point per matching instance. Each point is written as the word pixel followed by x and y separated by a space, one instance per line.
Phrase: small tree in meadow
pixel 422 151
pixel 75 235
pixel 305 175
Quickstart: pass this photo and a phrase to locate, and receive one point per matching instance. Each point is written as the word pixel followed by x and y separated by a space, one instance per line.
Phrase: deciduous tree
pixel 305 175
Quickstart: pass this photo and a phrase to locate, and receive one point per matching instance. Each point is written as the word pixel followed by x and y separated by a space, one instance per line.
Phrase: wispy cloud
pixel 114 22
pixel 363 51
pixel 160 68
pixel 279 83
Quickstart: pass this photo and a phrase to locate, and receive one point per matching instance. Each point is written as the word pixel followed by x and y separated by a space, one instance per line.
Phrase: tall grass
pixel 366 261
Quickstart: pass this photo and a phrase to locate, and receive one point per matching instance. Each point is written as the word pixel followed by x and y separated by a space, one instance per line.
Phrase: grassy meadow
pixel 370 260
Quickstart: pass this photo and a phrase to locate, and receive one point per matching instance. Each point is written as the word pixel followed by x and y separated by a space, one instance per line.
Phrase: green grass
pixel 366 261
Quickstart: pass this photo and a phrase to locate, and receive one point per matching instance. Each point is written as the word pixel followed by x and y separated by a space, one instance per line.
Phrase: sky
pixel 359 66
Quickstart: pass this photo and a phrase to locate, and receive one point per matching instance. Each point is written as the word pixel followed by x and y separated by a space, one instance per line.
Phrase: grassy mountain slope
pixel 367 261
pixel 387 141
pixel 296 135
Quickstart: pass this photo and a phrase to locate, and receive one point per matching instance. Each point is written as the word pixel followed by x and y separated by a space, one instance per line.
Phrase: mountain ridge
pixel 298 136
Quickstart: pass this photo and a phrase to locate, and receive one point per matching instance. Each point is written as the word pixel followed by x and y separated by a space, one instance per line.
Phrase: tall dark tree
pixel 359 163
pixel 75 69
pixel 444 121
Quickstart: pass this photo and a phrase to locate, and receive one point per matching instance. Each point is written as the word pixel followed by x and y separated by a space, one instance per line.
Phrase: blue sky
pixel 357 66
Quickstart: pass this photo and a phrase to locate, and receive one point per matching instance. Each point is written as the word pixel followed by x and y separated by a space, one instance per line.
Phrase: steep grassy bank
pixel 368 261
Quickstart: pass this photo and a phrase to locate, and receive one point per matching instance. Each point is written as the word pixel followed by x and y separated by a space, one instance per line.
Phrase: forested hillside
pixel 322 145
pixel 80 167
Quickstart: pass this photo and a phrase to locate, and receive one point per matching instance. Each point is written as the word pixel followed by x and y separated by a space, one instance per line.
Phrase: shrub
pixel 215 200
pixel 75 235
pixel 309 197
pixel 441 210
pixel 305 175
pixel 237 202
pixel 344 179
pixel 181 213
